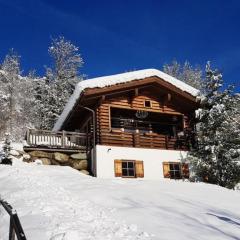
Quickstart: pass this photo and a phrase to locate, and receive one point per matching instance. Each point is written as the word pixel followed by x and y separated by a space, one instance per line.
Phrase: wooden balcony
pixel 143 140
pixel 57 140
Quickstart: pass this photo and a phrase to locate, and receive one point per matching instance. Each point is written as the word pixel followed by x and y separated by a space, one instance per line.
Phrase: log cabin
pixel 136 124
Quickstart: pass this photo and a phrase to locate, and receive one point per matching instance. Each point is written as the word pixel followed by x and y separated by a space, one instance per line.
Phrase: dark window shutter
pixel 185 170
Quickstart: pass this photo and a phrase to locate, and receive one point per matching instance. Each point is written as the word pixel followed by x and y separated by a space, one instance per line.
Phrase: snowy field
pixel 60 203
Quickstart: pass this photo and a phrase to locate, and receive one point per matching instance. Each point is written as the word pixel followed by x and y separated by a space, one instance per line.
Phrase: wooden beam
pixel 115 93
pixel 168 97
pixel 136 92
pixel 28 149
pixel 144 109
pixel 136 83
pixel 122 86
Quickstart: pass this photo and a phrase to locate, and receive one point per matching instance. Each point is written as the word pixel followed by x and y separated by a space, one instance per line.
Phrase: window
pixel 128 168
pixel 175 170
pixel 147 103
pixel 160 123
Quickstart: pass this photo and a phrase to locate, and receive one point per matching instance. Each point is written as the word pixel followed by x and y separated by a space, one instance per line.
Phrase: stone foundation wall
pixel 75 160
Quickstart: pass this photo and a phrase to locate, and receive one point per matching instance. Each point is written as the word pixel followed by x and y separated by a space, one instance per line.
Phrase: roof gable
pixel 111 80
pixel 107 81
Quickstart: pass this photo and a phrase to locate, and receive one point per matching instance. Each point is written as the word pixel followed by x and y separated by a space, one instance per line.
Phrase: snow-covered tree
pixel 67 60
pixel 41 92
pixel 10 82
pixel 17 98
pixel 216 157
pixel 5 153
pixel 28 101
pixel 186 73
pixel 173 69
pixel 238 114
pixel 4 103
pixel 61 78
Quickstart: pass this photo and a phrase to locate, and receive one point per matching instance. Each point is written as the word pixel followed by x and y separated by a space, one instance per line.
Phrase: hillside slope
pixel 60 203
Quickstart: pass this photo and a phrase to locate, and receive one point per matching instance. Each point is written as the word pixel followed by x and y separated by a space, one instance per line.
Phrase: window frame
pixel 174 170
pixel 128 168
pixel 138 168
pixel 150 103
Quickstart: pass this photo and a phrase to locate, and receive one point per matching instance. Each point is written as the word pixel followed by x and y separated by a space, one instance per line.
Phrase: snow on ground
pixel 56 203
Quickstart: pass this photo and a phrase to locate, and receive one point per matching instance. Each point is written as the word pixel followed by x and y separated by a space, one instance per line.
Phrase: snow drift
pixel 60 203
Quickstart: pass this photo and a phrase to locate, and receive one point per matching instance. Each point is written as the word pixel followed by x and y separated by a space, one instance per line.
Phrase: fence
pixel 15 227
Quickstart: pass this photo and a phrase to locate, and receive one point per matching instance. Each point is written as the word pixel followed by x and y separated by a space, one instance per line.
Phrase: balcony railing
pixel 145 140
pixel 60 139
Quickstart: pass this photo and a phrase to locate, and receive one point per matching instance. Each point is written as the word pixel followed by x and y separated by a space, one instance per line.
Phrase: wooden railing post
pixel 86 141
pixel 122 137
pixel 28 136
pixel 151 141
pixel 35 137
pixel 136 139
pixel 166 141
pixel 63 139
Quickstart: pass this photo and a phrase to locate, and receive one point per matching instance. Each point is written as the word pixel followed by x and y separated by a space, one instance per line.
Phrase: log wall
pixel 108 136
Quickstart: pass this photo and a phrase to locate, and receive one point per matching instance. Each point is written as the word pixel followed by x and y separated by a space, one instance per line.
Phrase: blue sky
pixel 118 36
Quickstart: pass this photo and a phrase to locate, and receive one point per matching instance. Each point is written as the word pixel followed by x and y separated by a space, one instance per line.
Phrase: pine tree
pixel 186 73
pixel 216 158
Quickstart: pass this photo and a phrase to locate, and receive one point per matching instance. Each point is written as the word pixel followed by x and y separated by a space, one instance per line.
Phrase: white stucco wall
pixel 152 158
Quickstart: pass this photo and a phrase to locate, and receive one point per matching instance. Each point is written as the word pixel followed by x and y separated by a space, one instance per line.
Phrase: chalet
pixel 136 124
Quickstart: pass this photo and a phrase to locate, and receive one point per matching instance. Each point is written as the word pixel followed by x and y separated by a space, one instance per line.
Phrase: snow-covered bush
pixel 5 152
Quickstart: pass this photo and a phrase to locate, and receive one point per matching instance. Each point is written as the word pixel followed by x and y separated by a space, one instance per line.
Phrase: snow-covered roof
pixel 107 81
